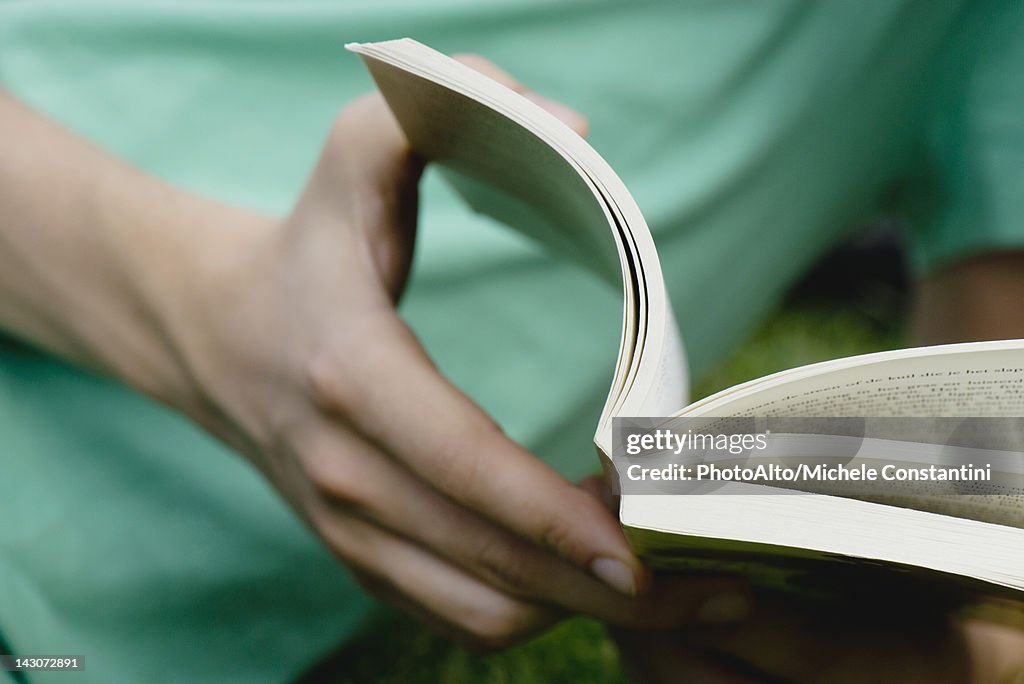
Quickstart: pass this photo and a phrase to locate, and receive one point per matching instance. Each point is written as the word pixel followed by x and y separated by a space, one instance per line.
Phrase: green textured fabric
pixel 753 135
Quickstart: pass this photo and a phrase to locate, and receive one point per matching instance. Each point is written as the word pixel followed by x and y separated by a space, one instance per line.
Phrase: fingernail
pixel 568 116
pixel 615 574
pixel 722 609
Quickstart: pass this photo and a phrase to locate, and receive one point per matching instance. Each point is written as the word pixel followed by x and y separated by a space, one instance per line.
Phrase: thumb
pixel 373 149
pixel 367 177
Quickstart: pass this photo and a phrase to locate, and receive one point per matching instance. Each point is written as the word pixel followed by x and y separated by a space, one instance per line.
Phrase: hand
pixel 296 356
pixel 793 640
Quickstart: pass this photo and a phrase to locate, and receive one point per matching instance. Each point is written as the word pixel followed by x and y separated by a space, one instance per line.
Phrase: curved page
pixel 516 162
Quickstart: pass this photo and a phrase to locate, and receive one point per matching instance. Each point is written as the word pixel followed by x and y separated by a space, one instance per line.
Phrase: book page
pixel 982 379
pixel 971 379
pixel 773 532
pixel 515 161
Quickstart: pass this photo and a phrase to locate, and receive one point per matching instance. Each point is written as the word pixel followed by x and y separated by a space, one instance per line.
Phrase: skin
pixel 219 312
pixel 280 336
pixel 978 298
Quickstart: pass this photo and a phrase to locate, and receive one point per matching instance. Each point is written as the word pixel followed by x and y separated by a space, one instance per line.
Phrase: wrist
pixel 110 268
pixel 184 263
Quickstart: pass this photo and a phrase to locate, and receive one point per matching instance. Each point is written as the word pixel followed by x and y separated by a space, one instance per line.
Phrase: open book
pixel 513 160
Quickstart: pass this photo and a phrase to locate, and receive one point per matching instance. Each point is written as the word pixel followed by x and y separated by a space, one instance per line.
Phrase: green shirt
pixel 753 134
